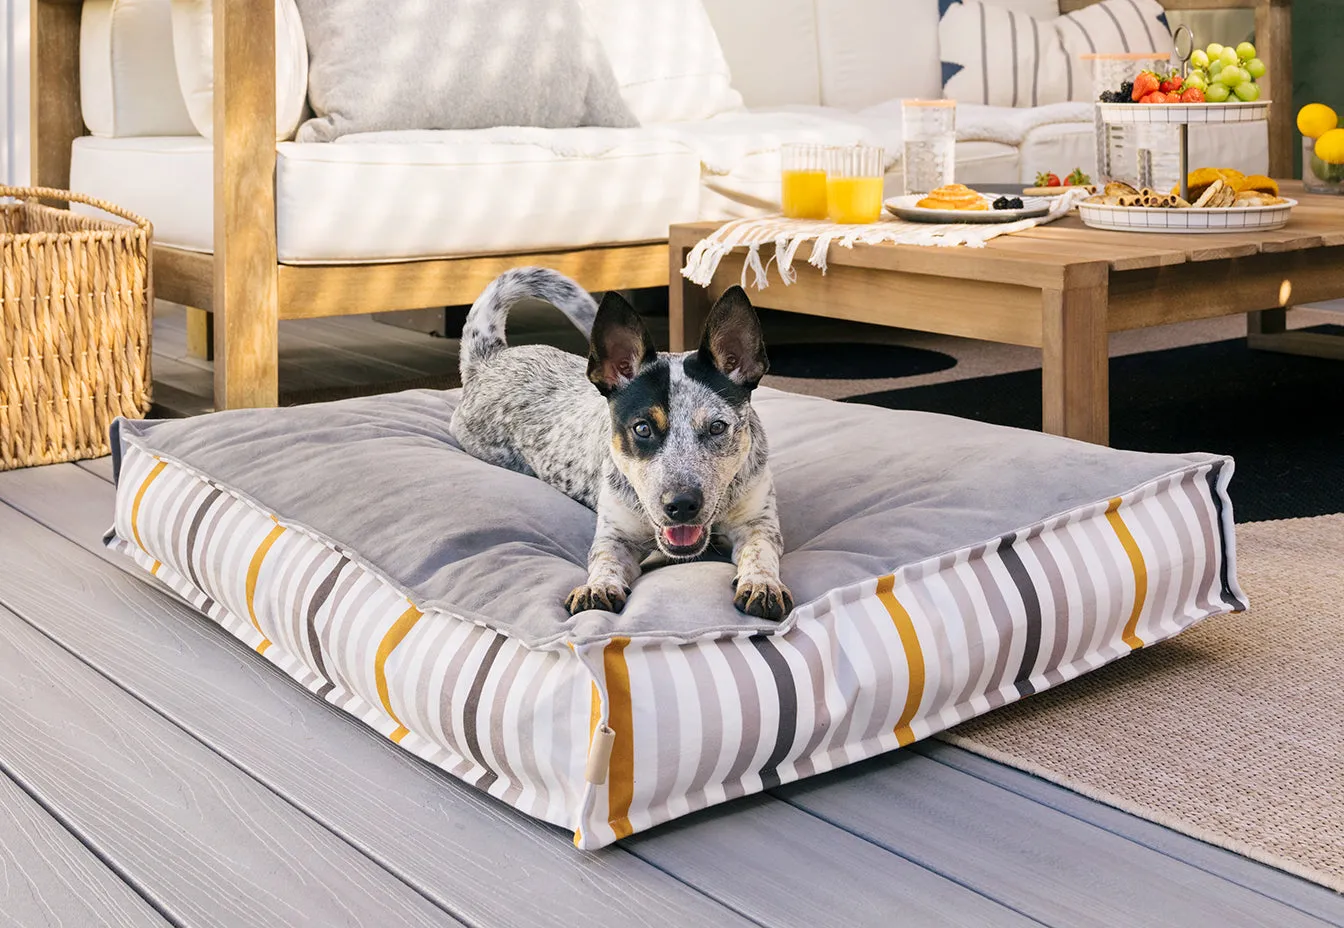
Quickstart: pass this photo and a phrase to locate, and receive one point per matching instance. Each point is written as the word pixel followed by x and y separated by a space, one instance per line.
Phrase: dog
pixel 666 448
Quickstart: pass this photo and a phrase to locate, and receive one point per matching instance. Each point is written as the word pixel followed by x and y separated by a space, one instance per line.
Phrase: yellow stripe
pixel 139 497
pixel 399 630
pixel 620 718
pixel 1140 572
pixel 914 656
pixel 253 570
pixel 155 569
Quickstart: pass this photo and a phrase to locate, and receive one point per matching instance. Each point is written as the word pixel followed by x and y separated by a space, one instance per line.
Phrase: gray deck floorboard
pixel 206 843
pixel 49 880
pixel 1042 862
pixel 933 836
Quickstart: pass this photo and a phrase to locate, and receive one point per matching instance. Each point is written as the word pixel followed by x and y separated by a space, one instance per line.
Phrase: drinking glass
pixel 854 184
pixel 929 130
pixel 803 180
pixel 1118 146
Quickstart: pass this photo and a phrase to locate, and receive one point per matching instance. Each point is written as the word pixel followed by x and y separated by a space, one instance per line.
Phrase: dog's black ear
pixel 620 344
pixel 733 341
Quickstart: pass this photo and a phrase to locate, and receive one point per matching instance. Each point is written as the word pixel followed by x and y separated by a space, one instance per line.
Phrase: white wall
pixel 14 92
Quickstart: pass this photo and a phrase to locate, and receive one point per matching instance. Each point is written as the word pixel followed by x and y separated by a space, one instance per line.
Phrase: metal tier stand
pixel 1185 126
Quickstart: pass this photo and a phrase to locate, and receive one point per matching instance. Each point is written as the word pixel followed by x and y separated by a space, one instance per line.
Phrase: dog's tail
pixel 483 332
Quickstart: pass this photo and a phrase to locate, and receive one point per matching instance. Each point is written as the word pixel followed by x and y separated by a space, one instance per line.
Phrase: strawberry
pixel 1192 95
pixel 1146 83
pixel 1173 97
pixel 1156 96
pixel 1046 179
pixel 1077 178
pixel 1172 82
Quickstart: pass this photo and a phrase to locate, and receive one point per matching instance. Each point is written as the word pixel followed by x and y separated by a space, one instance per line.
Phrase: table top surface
pixel 1316 222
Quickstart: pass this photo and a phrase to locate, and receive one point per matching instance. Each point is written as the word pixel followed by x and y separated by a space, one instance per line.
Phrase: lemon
pixel 1315 120
pixel 1330 147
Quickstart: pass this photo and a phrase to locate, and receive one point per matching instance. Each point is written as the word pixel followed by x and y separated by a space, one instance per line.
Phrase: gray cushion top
pixel 862 492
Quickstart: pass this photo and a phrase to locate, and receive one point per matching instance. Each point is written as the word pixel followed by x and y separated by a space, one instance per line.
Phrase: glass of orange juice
pixel 854 184
pixel 803 180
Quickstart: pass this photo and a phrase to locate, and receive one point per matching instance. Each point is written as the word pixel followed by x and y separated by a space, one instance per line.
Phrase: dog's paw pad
pixel 765 599
pixel 596 596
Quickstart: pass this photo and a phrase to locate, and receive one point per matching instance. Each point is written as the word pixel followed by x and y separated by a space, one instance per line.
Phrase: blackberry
pixel 1108 96
pixel 1008 203
pixel 1126 94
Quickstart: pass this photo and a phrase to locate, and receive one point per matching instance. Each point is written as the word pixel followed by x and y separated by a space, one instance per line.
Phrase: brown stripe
pixel 786 689
pixel 471 709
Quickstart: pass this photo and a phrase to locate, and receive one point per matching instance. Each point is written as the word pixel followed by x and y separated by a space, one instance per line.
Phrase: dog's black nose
pixel 683 506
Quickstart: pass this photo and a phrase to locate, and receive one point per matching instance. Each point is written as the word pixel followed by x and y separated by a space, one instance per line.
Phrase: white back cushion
pixel 877 50
pixel 193 48
pixel 127 80
pixel 666 58
pixel 771 48
pixel 1041 9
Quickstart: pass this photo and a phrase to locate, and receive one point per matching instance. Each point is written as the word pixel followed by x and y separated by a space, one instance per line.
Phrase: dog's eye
pixel 642 429
pixel 718 427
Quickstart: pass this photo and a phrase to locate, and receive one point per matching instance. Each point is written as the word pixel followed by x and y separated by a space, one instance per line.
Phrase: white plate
pixel 1186 221
pixel 1176 113
pixel 905 208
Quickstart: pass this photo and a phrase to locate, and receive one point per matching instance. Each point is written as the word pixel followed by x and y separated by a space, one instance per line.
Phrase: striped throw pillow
pixel 1002 57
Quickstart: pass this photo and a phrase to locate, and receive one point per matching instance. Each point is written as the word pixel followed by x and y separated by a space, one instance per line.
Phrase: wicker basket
pixel 75 298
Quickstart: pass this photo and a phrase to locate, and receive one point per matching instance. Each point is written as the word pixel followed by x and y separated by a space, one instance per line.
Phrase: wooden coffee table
pixel 1062 288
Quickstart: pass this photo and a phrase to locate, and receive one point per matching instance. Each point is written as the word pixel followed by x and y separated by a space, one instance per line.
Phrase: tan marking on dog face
pixel 658 416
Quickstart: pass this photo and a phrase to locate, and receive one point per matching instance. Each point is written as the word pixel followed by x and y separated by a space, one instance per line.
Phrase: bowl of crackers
pixel 1220 200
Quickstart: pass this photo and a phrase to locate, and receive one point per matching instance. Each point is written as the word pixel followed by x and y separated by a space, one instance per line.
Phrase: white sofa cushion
pixel 193 39
pixel 404 195
pixel 127 80
pixel 876 50
pixel 771 49
pixel 666 57
pixel 1000 57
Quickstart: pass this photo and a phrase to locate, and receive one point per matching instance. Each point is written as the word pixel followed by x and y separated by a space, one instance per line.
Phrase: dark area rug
pixel 1280 416
pixel 854 361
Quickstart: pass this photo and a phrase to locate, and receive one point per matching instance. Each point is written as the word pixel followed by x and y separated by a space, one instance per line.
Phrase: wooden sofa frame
pixel 245 290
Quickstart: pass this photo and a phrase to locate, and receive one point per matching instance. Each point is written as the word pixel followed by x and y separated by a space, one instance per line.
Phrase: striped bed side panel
pixel 911 654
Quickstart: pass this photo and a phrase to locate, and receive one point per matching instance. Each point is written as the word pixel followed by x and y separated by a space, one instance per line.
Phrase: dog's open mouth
pixel 685 540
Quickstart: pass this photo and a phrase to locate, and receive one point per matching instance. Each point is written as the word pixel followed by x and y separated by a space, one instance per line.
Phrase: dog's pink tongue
pixel 683 536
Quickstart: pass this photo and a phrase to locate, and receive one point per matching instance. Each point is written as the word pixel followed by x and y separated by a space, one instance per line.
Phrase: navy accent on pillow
pixel 1161 17
pixel 942 10
pixel 950 68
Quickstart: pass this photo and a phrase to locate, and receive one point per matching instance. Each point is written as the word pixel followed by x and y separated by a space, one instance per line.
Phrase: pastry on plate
pixel 953 196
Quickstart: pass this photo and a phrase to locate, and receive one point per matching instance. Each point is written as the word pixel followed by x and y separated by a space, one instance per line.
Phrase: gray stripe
pixel 846 680
pixel 192 533
pixel 934 702
pixel 1087 36
pixel 666 723
pixel 708 699
pixel 1012 33
pixel 1216 497
pixel 497 706
pixel 1060 598
pixel 1035 58
pixel 181 505
pixel 527 750
pixel 887 705
pixel 471 707
pixel 1210 582
pixel 810 652
pixel 749 699
pixel 335 635
pixel 1003 623
pixel 1165 570
pixel 984 55
pixel 311 558
pixel 1147 27
pixel 320 596
pixel 1076 566
pixel 1031 604
pixel 1104 540
pixel 1119 29
pixel 787 691
pixel 975 639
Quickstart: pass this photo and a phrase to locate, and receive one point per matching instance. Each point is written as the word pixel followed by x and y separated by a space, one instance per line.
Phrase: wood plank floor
pixel 155 771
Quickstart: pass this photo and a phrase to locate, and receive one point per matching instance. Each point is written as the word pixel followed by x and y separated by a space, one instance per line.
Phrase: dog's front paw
pixel 763 597
pixel 597 596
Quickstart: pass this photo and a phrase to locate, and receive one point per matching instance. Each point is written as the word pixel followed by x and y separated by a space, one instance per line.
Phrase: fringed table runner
pixel 788 235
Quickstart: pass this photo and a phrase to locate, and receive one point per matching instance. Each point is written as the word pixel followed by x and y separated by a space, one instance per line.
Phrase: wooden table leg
pixel 688 304
pixel 1267 322
pixel 200 333
pixel 1075 399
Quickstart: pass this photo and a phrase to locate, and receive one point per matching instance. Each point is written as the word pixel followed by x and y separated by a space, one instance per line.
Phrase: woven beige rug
pixel 1232 732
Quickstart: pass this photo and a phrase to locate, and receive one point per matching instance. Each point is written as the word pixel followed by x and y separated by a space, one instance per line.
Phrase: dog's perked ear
pixel 733 342
pixel 620 344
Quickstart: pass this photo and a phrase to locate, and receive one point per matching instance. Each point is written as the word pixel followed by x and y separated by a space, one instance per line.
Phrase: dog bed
pixel 941 568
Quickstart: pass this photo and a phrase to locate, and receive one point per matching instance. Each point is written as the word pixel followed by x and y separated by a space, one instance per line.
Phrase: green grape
pixel 1248 92
pixel 1215 69
pixel 1214 51
pixel 1217 93
pixel 1199 59
pixel 1256 68
pixel 1245 51
pixel 1229 56
pixel 1232 76
pixel 1196 79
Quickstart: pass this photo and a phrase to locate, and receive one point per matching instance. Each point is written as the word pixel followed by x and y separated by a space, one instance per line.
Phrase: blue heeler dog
pixel 665 447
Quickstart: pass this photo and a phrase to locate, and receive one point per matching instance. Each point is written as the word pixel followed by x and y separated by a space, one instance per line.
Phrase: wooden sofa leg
pixel 200 334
